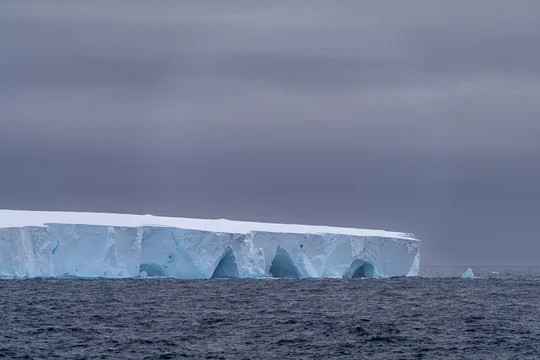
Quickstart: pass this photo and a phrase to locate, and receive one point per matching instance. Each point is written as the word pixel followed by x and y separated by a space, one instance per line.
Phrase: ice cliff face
pixel 47 244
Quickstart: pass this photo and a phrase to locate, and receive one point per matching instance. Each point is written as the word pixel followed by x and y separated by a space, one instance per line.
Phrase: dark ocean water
pixel 496 316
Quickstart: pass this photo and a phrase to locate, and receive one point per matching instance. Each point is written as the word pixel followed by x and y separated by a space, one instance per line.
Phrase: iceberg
pixel 468 274
pixel 98 245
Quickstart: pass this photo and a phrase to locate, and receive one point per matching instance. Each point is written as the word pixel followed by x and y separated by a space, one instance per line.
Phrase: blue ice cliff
pixel 56 244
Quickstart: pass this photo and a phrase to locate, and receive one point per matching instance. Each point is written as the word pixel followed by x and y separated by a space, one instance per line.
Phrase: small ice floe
pixel 468 274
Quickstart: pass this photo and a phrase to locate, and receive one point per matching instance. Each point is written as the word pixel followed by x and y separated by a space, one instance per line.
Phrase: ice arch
pixel 226 267
pixel 283 266
pixel 359 269
pixel 151 269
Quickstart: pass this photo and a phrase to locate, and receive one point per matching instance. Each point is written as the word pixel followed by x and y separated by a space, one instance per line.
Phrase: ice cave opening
pixel 283 266
pixel 226 267
pixel 359 269
pixel 151 269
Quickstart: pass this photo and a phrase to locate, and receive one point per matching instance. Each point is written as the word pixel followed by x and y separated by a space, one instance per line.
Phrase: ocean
pixel 435 316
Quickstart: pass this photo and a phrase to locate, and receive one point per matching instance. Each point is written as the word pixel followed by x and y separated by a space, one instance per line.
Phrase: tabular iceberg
pixel 63 244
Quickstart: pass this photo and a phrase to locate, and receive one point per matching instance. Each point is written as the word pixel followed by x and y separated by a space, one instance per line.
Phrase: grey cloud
pixel 420 117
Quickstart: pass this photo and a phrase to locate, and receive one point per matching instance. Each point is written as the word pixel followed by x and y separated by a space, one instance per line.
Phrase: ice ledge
pixel 20 218
pixel 53 244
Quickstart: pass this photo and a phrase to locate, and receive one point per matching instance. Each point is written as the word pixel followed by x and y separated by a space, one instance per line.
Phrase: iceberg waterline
pixel 56 244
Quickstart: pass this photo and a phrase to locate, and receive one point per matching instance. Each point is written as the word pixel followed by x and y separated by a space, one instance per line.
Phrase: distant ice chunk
pixel 468 274
pixel 55 244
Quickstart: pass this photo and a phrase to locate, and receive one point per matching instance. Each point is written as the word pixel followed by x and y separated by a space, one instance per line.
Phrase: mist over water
pixel 481 271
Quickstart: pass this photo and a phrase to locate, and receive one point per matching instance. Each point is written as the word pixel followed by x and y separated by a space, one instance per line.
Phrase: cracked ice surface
pixel 62 244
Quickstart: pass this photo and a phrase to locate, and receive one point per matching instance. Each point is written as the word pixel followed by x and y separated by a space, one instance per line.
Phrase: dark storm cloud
pixel 417 116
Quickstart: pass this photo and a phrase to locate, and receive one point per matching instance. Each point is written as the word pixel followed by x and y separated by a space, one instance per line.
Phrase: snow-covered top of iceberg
pixel 18 218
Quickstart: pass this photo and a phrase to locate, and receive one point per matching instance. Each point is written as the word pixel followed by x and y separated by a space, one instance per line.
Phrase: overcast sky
pixel 416 116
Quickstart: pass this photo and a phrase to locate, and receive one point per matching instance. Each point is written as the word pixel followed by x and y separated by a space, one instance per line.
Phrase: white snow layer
pixel 68 244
